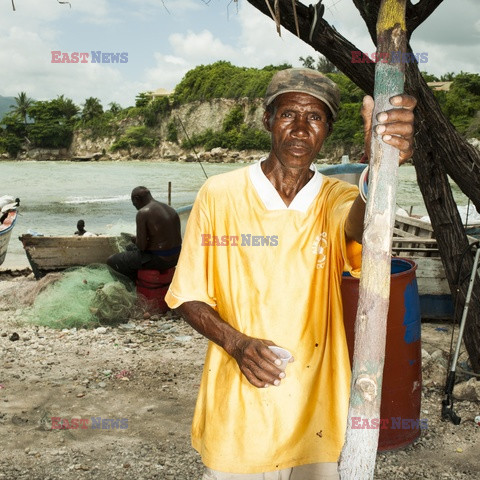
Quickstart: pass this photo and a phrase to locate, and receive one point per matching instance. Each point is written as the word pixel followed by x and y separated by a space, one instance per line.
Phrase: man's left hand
pixel 395 126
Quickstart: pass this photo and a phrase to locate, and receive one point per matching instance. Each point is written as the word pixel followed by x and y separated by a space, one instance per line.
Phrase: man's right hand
pixel 255 360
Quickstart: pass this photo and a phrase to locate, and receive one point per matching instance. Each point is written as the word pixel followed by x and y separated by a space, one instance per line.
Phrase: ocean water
pixel 55 195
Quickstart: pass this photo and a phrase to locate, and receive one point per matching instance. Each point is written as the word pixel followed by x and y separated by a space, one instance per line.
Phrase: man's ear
pixel 266 121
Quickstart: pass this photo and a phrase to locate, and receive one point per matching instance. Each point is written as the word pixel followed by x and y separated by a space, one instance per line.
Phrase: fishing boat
pixel 47 254
pixel 55 253
pixel 6 228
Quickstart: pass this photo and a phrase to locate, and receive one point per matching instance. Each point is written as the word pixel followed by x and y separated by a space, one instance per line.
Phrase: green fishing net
pixel 85 297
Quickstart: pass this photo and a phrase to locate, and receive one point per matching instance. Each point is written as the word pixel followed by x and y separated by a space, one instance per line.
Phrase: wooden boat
pixel 5 232
pixel 414 239
pixel 56 253
pixel 48 254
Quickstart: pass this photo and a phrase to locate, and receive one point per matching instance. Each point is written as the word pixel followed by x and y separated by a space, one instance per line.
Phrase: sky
pixel 165 39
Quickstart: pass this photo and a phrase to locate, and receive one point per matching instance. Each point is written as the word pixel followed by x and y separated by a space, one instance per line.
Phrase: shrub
pixel 10 144
pixel 134 137
pixel 172 131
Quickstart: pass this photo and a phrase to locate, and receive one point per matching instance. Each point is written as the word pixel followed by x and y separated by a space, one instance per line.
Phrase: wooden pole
pixel 169 193
pixel 357 460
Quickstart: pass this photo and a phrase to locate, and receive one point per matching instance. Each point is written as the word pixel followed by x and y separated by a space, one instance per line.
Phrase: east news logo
pixel 86 57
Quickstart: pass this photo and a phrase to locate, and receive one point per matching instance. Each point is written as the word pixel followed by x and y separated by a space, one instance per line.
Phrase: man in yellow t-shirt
pixel 261 265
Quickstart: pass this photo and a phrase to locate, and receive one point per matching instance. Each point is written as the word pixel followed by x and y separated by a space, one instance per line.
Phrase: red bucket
pixel 153 286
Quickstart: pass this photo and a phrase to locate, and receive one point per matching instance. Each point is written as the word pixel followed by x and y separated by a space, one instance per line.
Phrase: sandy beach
pixel 134 386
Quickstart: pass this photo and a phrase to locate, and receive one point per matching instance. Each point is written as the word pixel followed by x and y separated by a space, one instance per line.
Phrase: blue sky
pixel 166 39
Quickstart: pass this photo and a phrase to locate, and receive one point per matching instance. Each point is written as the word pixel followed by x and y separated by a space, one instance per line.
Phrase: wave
pixel 80 200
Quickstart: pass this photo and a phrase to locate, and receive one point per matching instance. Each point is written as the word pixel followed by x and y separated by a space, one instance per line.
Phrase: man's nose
pixel 300 126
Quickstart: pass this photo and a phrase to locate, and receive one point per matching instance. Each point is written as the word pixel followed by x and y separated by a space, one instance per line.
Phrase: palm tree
pixel 23 104
pixel 67 107
pixel 115 107
pixel 92 108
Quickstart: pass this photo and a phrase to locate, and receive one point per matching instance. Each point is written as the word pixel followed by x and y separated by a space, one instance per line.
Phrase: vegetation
pixel 23 103
pixel 460 104
pixel 223 80
pixel 134 137
pixel 50 124
pixel 235 134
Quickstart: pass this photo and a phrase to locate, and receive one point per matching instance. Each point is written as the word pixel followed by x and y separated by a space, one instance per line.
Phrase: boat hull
pixel 56 253
pixel 5 233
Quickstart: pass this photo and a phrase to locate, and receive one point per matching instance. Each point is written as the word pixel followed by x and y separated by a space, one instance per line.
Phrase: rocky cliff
pixel 191 119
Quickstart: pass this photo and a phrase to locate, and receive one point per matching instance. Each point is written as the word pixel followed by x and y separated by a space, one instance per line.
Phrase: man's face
pixel 137 203
pixel 299 125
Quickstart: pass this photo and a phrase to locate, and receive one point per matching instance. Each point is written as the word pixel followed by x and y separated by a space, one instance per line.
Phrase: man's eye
pixel 317 118
pixel 286 115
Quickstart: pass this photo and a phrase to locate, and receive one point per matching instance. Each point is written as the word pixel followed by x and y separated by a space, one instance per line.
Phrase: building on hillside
pixel 159 92
pixel 444 86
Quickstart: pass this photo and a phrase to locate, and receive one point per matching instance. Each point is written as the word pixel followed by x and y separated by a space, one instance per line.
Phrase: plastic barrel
pixel 402 373
pixel 153 285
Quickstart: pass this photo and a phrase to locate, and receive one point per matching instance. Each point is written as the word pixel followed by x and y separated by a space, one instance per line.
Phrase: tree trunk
pixel 439 149
pixel 360 450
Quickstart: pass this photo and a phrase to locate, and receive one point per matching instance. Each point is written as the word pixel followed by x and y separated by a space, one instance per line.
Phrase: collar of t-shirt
pixel 272 199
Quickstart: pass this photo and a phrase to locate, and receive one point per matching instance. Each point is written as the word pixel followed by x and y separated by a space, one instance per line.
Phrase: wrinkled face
pixel 299 124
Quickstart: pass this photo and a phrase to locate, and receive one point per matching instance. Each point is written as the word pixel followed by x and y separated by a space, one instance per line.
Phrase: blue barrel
pixel 402 373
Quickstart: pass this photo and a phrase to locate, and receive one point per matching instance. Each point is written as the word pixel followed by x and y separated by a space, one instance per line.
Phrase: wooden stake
pixel 357 460
pixel 169 193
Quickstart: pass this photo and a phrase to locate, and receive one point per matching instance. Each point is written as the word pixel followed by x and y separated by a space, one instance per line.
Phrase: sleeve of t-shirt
pixel 191 279
pixel 351 251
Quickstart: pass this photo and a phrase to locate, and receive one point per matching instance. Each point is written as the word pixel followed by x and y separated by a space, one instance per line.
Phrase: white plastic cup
pixel 283 354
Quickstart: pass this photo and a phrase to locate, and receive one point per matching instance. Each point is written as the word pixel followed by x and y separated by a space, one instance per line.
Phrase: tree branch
pixel 368 10
pixel 417 14
pixel 325 39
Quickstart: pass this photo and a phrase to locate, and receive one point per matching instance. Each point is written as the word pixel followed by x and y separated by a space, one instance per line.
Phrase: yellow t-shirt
pixel 274 273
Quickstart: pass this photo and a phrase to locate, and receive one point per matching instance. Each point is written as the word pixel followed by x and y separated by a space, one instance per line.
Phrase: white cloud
pixel 163 45
pixel 201 46
pixel 167 72
pixel 25 62
pixel 260 45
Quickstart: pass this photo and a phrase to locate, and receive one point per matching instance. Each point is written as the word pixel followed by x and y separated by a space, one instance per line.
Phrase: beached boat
pixel 414 239
pixel 48 254
pixel 56 253
pixel 6 228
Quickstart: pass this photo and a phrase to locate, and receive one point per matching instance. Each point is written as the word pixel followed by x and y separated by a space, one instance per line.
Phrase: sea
pixel 55 195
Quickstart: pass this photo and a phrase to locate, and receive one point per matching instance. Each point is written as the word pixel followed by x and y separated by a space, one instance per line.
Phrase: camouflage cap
pixel 304 80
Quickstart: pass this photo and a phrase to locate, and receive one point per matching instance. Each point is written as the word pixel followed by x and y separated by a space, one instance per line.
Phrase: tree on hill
pixel 23 103
pixel 223 80
pixel 67 108
pixel 114 108
pixel 323 64
pixel 92 108
pixel 440 149
pixel 53 123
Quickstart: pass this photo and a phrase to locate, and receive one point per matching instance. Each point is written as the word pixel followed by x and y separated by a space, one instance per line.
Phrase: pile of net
pixel 85 297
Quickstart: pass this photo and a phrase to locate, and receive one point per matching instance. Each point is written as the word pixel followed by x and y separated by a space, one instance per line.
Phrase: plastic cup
pixel 283 354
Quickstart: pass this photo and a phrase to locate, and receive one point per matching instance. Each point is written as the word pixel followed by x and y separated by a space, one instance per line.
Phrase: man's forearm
pixel 205 320
pixel 354 223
